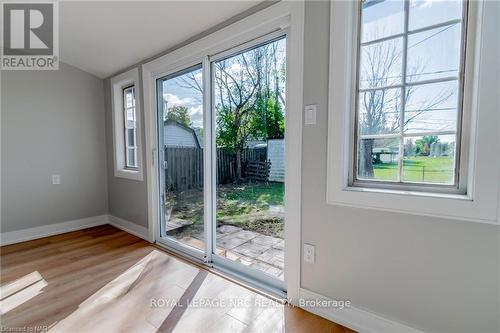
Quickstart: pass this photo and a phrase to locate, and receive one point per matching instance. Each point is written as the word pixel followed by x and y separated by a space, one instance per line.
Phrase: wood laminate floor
pixel 103 279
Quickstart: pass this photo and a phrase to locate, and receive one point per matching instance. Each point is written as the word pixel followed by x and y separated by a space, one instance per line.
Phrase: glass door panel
pixel 181 136
pixel 249 107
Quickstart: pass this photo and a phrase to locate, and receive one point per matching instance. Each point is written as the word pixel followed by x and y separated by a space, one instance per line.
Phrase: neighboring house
pixel 255 144
pixel 199 134
pixel 176 134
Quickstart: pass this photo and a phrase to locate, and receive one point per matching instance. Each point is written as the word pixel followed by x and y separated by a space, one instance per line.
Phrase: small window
pixel 126 125
pixel 410 75
pixel 130 128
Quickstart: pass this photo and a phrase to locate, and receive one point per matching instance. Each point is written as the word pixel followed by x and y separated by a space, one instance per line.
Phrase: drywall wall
pixel 433 274
pixel 52 122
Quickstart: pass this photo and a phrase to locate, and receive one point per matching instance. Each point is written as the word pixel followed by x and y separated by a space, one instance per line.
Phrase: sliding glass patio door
pixel 221 133
pixel 181 138
pixel 248 101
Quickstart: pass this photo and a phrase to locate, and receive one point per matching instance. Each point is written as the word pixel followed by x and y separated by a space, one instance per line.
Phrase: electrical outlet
pixel 56 179
pixel 309 255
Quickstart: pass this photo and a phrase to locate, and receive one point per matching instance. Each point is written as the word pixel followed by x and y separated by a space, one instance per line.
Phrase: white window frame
pixel 481 200
pixel 118 85
pixel 460 160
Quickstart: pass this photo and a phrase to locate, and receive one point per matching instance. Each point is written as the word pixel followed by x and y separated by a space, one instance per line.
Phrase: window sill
pixel 437 195
pixel 129 174
pixel 457 207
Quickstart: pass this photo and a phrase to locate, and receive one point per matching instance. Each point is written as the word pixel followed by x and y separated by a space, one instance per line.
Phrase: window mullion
pixel 403 90
pixel 380 40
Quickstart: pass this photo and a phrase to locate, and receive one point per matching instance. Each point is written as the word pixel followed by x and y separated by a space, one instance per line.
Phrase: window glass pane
pixel 131 137
pixel 130 124
pixel 430 110
pixel 381 19
pixel 429 159
pixel 131 158
pixel 381 64
pixel 431 107
pixel 250 110
pixel 129 97
pixel 131 114
pixel 379 111
pixel 434 54
pixel 378 159
pixel 424 13
pixel 183 148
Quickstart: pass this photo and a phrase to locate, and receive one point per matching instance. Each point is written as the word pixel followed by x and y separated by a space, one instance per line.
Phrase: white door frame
pixel 283 15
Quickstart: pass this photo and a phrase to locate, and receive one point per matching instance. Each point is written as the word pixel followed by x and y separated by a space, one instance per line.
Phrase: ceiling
pixel 104 37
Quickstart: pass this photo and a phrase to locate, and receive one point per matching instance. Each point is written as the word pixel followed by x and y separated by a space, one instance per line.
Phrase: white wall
pixel 433 274
pixel 52 122
pixel 127 199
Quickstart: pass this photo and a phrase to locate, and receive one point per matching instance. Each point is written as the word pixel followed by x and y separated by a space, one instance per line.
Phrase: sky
pixel 176 93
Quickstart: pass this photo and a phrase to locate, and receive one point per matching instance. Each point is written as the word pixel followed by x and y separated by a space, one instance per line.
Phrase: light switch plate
pixel 310 114
pixel 309 253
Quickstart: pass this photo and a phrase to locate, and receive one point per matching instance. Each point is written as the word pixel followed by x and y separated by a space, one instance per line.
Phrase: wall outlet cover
pixel 309 253
pixel 56 179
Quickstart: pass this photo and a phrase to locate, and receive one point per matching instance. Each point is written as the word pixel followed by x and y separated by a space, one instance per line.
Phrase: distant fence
pixel 423 174
pixel 184 169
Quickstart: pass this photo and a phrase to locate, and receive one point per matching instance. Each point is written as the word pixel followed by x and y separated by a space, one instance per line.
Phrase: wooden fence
pixel 184 168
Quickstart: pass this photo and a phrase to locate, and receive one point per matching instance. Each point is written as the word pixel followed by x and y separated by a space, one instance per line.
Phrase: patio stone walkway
pixel 250 248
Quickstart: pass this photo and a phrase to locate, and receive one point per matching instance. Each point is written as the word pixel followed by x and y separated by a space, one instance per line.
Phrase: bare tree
pixel 380 105
pixel 237 85
pixel 191 81
pixel 242 84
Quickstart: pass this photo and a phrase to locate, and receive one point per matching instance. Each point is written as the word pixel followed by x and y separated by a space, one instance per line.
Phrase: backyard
pixel 419 169
pixel 250 223
pixel 254 207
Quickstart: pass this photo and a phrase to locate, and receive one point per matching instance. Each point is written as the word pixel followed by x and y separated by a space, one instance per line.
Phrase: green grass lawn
pixel 248 206
pixel 261 194
pixel 419 169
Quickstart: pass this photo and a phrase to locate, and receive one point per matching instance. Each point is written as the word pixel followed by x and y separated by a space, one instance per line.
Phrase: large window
pixel 409 93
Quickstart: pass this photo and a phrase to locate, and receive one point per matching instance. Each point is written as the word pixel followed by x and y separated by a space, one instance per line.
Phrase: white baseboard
pixel 354 318
pixel 11 237
pixel 129 227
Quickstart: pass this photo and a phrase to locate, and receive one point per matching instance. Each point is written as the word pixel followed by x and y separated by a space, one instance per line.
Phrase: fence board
pixel 185 166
